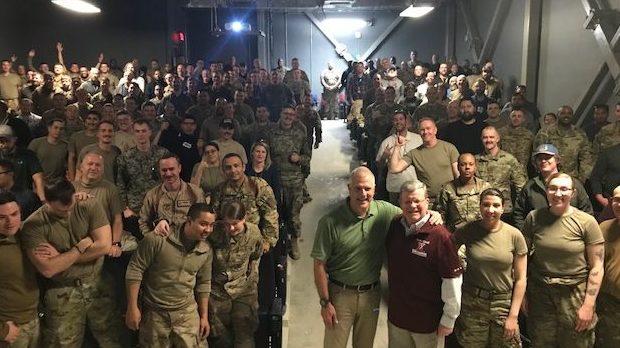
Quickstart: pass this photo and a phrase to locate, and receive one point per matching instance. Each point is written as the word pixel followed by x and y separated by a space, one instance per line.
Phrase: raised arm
pixel 396 163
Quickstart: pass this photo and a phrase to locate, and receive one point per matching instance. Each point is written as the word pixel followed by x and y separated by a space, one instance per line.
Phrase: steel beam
pixel 495 28
pixel 340 48
pixel 599 89
pixel 475 42
pixel 530 60
pixel 450 30
pixel 379 40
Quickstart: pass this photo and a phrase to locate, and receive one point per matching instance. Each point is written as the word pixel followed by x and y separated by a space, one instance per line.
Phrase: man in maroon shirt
pixel 424 275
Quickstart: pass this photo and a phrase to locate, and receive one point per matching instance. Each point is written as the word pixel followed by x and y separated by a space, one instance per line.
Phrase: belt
pixel 487 294
pixel 68 283
pixel 358 288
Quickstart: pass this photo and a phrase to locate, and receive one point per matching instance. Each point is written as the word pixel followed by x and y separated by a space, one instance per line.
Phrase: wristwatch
pixel 324 302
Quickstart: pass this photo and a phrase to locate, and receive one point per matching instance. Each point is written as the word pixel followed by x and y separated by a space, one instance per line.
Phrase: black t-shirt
pixel 184 146
pixel 26 165
pixel 465 137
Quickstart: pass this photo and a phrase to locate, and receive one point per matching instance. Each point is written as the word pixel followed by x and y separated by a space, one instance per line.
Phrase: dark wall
pixel 119 31
pixel 203 45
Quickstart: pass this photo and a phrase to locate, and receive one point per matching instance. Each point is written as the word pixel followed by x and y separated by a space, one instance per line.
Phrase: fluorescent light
pixel 416 11
pixel 236 26
pixel 344 25
pixel 79 6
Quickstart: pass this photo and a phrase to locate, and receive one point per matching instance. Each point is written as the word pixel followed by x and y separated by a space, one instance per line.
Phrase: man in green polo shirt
pixel 348 253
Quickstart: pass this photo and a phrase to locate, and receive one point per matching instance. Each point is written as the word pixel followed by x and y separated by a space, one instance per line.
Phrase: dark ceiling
pixel 336 5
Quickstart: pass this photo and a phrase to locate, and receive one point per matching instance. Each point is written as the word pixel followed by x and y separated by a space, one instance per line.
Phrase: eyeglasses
pixel 563 190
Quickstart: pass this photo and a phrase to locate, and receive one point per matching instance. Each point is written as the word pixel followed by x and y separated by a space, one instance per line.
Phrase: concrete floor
pixel 331 165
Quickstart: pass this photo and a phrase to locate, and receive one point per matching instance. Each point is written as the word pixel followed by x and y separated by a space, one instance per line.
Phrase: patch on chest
pixel 420 248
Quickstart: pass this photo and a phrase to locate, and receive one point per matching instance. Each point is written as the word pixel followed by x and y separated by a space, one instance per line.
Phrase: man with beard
pixel 465 133
pixel 572 142
pixel 106 148
pixel 27 168
pixel 165 206
pixel 413 140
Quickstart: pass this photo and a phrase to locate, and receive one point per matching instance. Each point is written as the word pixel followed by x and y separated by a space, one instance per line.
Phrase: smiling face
pixel 92 167
pixel 169 169
pixel 201 227
pixel 491 208
pixel 559 192
pixel 361 192
pixel 414 205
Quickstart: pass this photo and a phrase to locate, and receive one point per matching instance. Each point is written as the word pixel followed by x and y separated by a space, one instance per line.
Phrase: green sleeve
pixel 323 243
pixel 592 232
pixel 115 203
pixel 203 278
pixel 143 257
pixel 97 215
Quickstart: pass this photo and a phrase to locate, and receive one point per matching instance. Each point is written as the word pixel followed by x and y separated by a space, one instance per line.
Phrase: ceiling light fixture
pixel 80 6
pixel 417 10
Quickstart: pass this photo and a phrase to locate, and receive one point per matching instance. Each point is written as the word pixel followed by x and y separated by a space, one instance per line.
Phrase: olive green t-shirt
pixel 558 244
pixel 79 140
pixel 110 167
pixel 211 178
pixel 64 233
pixel 433 165
pixel 490 255
pixel 611 280
pixel 53 157
pixel 353 247
pixel 105 193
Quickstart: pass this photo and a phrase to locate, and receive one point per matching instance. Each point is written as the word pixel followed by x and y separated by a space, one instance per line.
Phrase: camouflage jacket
pixel 517 142
pixel 259 201
pixel 607 137
pixel 312 121
pixel 137 173
pixel 160 204
pixel 504 173
pixel 235 261
pixel 283 143
pixel 458 205
pixel 575 151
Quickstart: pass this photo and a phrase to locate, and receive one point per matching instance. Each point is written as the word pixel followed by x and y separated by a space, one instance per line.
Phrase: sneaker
pixel 294 252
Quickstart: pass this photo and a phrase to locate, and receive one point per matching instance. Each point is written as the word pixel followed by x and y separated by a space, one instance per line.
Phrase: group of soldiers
pixel 186 209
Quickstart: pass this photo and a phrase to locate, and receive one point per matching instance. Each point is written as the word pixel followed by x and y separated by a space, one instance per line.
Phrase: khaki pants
pixel 357 310
pixel 401 338
pixel 481 322
pixel 28 336
pixel 608 327
pixel 69 309
pixel 233 322
pixel 356 112
pixel 552 315
pixel 180 329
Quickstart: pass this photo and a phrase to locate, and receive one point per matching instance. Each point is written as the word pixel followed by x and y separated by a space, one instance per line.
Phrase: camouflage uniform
pixel 159 204
pixel 244 114
pixel 314 135
pixel 259 202
pixel 481 317
pixel 254 133
pixel 233 303
pixel 29 336
pixel 81 294
pixel 283 143
pixel 607 137
pixel 379 125
pixel 504 173
pixel 574 147
pixel 608 327
pixel 170 314
pixel 138 172
pixel 458 205
pixel 517 142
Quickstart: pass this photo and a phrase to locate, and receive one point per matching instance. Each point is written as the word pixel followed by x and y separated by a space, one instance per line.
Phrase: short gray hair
pixel 412 186
pixel 360 172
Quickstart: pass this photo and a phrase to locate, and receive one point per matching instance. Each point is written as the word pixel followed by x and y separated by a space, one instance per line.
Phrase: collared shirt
pixel 411 229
